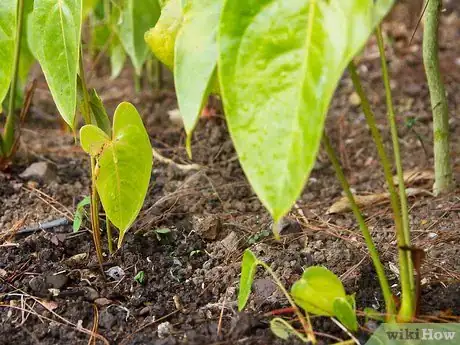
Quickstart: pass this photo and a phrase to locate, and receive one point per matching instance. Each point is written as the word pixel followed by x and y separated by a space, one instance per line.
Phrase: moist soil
pixel 52 290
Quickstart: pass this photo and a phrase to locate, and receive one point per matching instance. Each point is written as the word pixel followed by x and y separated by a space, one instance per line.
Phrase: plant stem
pixel 94 196
pixel 95 214
pixel 109 234
pixel 407 300
pixel 304 320
pixel 379 269
pixel 442 165
pixel 137 83
pixel 8 138
pixel 397 155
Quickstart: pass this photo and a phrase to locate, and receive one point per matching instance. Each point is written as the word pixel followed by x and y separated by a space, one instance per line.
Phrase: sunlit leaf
pixel 124 165
pixel 55 41
pixel 88 6
pixel 317 289
pixel 137 17
pixel 196 58
pixel 7 39
pixel 345 312
pixel 162 37
pixel 248 270
pixel 279 64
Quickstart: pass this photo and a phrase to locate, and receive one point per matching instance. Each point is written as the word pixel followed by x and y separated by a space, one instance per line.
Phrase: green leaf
pixel 124 165
pixel 98 112
pixel 55 42
pixel 163 231
pixel 140 277
pixel 284 330
pixel 317 289
pixel 346 313
pixel 248 270
pixel 161 38
pixel 279 64
pixel 88 6
pixel 79 213
pixel 196 58
pixel 138 16
pixel 7 39
pixel 117 57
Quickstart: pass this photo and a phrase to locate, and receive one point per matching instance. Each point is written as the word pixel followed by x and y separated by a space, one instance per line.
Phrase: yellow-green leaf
pixel 196 58
pixel 162 37
pixel 7 39
pixel 317 289
pixel 55 42
pixel 137 17
pixel 124 165
pixel 279 64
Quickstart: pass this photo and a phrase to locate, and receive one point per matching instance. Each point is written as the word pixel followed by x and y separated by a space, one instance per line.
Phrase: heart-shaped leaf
pixel 196 58
pixel 124 165
pixel 317 289
pixel 7 39
pixel 279 64
pixel 137 17
pixel 55 42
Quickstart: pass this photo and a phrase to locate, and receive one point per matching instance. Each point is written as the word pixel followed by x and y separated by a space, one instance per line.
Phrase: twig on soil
pixel 184 167
pixel 343 328
pixel 92 339
pixel 68 214
pixel 63 321
pixel 219 325
pixel 48 226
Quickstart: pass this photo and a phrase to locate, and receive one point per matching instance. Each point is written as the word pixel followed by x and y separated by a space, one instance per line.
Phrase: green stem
pixel 109 234
pixel 8 139
pixel 442 165
pixel 94 196
pixel 137 83
pixel 379 269
pixel 159 74
pixel 407 300
pixel 304 320
pixel 397 156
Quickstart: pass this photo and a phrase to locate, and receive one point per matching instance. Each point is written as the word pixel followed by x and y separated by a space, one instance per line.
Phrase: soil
pixel 52 290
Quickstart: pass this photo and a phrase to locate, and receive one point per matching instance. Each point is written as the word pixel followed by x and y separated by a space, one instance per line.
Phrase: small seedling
pixel 258 236
pixel 80 213
pixel 161 232
pixel 140 277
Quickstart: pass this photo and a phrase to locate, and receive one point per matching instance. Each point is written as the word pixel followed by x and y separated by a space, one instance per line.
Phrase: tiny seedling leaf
pixel 248 270
pixel 124 165
pixel 282 329
pixel 346 313
pixel 317 289
pixel 279 65
pixel 55 42
pixel 7 39
pixel 80 213
pixel 137 17
pixel 196 59
pixel 140 277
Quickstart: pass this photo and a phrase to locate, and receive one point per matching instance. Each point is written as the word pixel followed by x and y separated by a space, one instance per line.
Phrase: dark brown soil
pixel 51 289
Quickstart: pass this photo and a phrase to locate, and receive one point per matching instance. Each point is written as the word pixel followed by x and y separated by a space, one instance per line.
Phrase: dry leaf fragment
pixel 415 176
pixel 343 205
